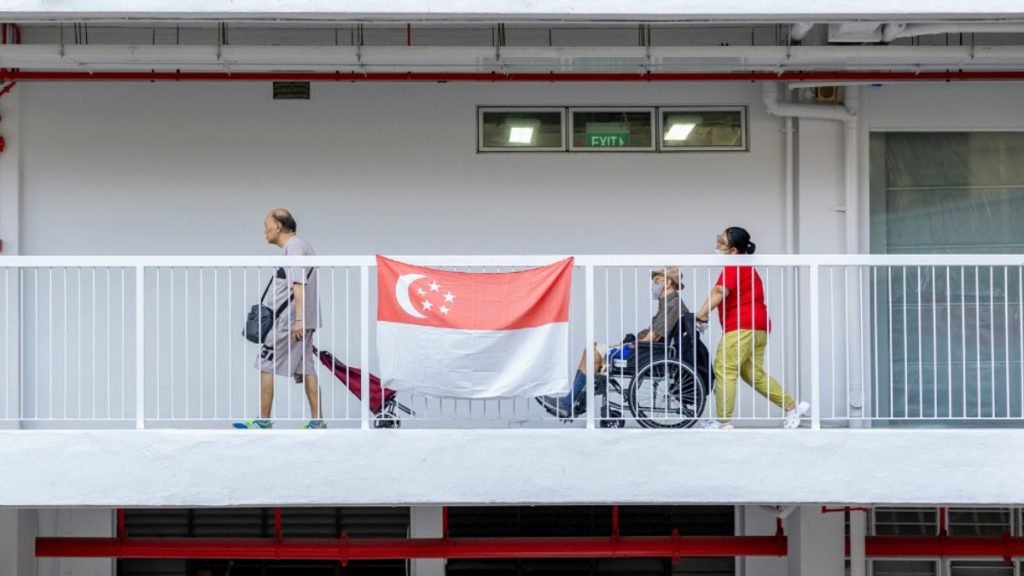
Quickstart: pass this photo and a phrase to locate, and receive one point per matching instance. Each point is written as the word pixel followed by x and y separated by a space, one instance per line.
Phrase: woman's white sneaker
pixel 794 416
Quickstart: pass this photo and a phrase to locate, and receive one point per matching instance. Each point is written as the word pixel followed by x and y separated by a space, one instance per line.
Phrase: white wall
pixel 192 168
pixel 945 106
pixel 820 191
pixel 10 174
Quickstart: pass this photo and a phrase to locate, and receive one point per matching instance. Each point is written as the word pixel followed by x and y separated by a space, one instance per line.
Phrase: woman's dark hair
pixel 740 240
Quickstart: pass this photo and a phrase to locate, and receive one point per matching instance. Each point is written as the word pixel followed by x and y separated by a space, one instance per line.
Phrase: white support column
pixel 760 521
pixel 9 549
pixel 10 173
pixel 858 533
pixel 73 522
pixel 10 233
pixel 28 529
pixel 589 329
pixel 18 530
pixel 364 346
pixel 426 522
pixel 816 542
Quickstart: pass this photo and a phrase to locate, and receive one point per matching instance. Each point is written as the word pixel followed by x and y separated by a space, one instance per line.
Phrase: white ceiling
pixel 510 10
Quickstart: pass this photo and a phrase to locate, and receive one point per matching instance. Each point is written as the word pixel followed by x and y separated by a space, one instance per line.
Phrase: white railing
pixel 156 342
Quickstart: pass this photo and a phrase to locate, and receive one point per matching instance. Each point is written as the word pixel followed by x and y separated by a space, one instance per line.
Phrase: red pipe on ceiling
pixel 794 76
pixel 345 549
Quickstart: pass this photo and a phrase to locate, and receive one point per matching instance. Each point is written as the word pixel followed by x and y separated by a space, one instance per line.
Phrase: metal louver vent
pixel 305 523
pixel 506 521
pixel 291 90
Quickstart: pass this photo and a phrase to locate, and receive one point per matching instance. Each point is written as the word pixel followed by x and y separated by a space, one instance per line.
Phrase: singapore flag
pixel 473 335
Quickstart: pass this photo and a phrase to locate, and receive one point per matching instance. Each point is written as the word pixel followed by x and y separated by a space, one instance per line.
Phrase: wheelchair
pixel 663 384
pixel 663 391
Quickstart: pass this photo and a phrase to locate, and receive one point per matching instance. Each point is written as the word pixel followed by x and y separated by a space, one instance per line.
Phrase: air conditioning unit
pixel 826 94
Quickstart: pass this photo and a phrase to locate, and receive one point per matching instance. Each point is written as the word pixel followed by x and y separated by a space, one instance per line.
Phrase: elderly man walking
pixel 288 347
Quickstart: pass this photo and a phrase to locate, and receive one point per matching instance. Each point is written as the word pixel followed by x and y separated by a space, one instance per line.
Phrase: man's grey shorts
pixel 281 354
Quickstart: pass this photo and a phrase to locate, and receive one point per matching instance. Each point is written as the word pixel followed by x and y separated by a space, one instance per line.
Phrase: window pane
pixel 702 129
pixel 903 567
pixel 979 521
pixel 947 193
pixel 978 568
pixel 906 522
pixel 521 130
pixel 612 129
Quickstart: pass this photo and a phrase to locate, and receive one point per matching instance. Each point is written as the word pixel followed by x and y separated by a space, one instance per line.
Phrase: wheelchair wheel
pixel 614 419
pixel 386 420
pixel 666 394
pixel 610 415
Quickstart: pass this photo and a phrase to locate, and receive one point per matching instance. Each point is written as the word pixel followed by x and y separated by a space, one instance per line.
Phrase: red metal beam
pixel 827 510
pixel 345 549
pixel 792 76
pixel 121 531
pixel 674 546
pixel 1005 546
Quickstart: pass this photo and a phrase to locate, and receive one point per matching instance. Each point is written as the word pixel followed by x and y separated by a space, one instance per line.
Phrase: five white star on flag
pixel 427 305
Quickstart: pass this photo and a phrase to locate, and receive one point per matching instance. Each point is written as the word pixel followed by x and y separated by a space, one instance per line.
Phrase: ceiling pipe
pixel 345 549
pixel 776 107
pixel 894 31
pixel 769 77
pixel 799 31
pixel 847 114
pixel 656 59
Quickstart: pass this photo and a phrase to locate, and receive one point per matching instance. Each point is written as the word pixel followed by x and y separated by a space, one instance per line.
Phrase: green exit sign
pixel 607 139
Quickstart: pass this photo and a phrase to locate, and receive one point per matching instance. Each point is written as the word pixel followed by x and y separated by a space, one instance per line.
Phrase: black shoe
pixel 553 405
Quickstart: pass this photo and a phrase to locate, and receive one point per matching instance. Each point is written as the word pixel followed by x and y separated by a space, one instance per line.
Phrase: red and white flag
pixel 473 335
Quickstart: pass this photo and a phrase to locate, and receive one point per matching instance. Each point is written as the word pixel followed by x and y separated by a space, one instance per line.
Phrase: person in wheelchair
pixel 666 282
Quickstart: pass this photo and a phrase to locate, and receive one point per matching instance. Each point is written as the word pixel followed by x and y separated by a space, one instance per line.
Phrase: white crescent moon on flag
pixel 402 294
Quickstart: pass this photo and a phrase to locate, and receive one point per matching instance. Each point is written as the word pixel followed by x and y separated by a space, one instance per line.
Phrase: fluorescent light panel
pixel 520 135
pixel 679 131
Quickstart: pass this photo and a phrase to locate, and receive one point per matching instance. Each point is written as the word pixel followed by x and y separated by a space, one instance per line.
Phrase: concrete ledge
pixel 408 467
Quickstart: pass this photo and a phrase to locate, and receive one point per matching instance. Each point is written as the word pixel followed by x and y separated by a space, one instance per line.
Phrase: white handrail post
pixel 815 319
pixel 588 285
pixel 140 347
pixel 364 346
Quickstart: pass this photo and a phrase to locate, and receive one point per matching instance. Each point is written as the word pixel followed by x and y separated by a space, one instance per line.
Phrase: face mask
pixel 720 252
pixel 656 291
